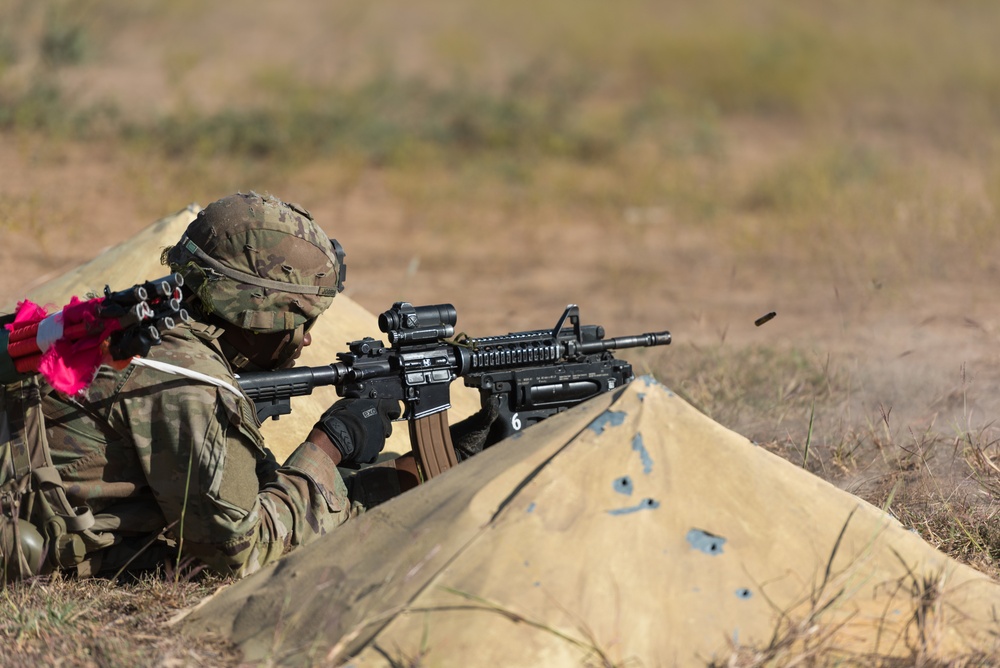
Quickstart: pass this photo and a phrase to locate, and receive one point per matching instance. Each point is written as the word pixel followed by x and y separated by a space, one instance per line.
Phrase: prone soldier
pixel 165 457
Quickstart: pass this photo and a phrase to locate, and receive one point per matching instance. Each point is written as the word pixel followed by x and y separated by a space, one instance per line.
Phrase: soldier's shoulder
pixel 183 347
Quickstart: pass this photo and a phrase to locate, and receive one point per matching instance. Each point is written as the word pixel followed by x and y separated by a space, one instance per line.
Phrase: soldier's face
pixel 306 341
pixel 266 350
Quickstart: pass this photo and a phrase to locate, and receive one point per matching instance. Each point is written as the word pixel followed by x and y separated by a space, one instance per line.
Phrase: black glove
pixel 359 427
pixel 472 435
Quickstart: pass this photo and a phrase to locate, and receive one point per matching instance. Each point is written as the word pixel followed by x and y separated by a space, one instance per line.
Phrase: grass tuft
pixel 64 621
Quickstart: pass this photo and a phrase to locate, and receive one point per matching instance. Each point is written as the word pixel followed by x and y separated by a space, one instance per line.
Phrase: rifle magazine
pixel 430 438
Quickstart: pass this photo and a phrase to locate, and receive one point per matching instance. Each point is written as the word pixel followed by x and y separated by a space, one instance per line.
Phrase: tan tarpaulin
pixel 632 530
pixel 138 259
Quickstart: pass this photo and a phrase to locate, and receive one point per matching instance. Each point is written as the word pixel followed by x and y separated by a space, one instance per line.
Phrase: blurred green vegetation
pixel 807 131
pixel 391 121
pixel 580 79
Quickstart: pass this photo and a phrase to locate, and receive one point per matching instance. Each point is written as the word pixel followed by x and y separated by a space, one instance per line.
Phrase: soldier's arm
pixel 201 453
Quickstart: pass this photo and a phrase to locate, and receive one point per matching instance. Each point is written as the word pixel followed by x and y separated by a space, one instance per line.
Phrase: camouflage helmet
pixel 259 263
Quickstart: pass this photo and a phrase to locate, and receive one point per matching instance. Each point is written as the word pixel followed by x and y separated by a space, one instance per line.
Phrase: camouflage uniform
pixel 148 450
pixel 157 454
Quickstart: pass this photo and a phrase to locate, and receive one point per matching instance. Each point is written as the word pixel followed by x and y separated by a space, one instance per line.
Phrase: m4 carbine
pixel 532 375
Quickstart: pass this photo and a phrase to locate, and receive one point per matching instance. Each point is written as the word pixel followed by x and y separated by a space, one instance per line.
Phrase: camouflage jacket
pixel 152 452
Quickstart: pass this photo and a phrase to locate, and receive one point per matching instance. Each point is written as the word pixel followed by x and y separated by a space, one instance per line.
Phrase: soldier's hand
pixel 358 427
pixel 472 435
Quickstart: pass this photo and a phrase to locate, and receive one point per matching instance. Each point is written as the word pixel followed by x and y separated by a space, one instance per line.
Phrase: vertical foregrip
pixel 430 438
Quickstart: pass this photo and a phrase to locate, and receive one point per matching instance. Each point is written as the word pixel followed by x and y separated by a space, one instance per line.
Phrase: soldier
pixel 169 459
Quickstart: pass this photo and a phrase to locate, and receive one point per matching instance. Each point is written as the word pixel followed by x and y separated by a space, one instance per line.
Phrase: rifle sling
pixel 430 438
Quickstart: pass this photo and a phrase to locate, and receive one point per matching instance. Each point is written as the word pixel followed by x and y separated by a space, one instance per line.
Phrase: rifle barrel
pixel 621 342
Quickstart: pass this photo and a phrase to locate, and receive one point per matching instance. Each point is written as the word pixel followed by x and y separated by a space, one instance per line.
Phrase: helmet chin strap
pixel 237 360
pixel 263 360
pixel 292 346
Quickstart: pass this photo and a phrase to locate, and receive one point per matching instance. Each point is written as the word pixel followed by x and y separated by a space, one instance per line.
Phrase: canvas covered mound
pixel 138 259
pixel 632 530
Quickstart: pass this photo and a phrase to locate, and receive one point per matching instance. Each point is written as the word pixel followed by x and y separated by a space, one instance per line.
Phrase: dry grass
pixel 64 621
pixel 807 638
pixel 941 481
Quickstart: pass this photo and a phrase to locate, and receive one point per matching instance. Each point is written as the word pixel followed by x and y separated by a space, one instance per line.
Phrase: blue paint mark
pixel 706 542
pixel 647 461
pixel 743 593
pixel 645 504
pixel 623 485
pixel 531 507
pixel 613 418
pixel 652 382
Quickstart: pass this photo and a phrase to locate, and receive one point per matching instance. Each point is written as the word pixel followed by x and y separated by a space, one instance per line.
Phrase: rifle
pixel 533 374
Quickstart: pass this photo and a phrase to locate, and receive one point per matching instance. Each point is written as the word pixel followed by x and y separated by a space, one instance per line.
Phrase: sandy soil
pixel 927 352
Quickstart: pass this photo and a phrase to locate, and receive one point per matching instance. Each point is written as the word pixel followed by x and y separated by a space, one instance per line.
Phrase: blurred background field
pixel 849 144
pixel 666 165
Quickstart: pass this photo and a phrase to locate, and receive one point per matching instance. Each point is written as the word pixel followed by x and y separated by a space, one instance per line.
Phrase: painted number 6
pixel 515 422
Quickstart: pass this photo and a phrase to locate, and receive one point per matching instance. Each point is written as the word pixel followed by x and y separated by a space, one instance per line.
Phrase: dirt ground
pixel 924 353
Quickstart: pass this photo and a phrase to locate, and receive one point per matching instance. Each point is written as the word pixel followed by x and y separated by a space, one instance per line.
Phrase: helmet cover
pixel 259 263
